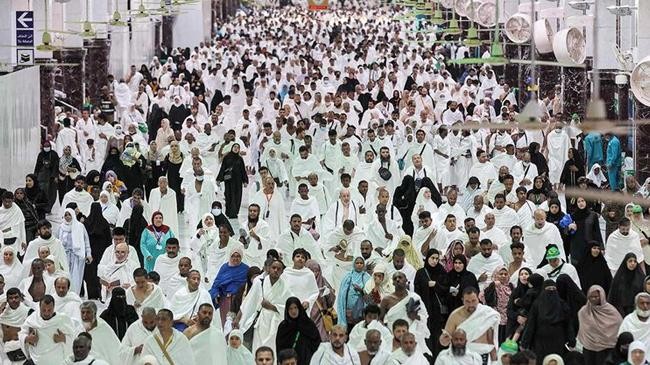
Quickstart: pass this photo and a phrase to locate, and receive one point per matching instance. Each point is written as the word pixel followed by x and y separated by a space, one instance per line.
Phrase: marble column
pixel 47 98
pixel 576 90
pixel 70 79
pixel 168 32
pixel 642 144
pixel 96 67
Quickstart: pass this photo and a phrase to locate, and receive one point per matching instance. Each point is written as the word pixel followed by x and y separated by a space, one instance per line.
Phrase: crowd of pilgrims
pixel 297 191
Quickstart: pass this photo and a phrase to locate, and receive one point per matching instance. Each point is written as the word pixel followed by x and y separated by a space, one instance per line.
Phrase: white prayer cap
pixel 57 110
pixel 148 360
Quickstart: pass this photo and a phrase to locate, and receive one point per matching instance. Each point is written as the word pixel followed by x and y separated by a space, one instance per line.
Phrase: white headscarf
pixel 240 355
pixel 427 204
pixel 637 345
pixel 11 273
pixel 77 233
pixel 598 179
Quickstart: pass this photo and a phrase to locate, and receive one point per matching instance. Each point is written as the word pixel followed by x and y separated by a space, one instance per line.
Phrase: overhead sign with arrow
pixel 25 37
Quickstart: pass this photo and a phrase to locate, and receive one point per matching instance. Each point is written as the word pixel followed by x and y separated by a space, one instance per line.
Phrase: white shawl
pixel 78 231
pixel 619 245
pixel 483 318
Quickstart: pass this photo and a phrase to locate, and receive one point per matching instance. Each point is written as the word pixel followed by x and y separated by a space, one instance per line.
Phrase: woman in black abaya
pixel 99 235
pixel 429 286
pixel 585 228
pixel 549 328
pixel 538 159
pixel 134 227
pixel 173 163
pixel 298 332
pixel 627 283
pixel 572 295
pixel 593 269
pixel 119 315
pixel 461 279
pixel 233 174
pixel 574 168
pixel 404 201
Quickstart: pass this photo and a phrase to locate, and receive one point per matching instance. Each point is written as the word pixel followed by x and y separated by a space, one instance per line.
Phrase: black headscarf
pixel 300 334
pixel 535 283
pixel 538 158
pixel 112 162
pixel 434 297
pixel 462 280
pixel 119 315
pixel 618 355
pixel 33 192
pixel 136 225
pixel 551 308
pixel 625 286
pixel 594 270
pixel 571 295
pixel 551 217
pixel 96 224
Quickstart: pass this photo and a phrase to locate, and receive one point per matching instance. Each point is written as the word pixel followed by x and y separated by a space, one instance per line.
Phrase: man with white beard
pixel 540 234
pixel 46 239
pixel 46 338
pixel 136 335
pixel 117 272
pixel 107 345
pixel 163 199
pixel 636 322
pixel 458 354
pixel 11 319
pixel 66 301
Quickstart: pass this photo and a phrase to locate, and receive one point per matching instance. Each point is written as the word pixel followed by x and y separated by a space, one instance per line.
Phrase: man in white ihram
pixel 107 345
pixel 457 353
pixel 137 334
pixel 66 301
pixel 46 338
pixel 408 353
pixel 166 344
pixel 336 351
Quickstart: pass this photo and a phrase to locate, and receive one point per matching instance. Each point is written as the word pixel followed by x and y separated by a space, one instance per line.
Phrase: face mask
pixel 47 149
pixel 199 178
pixel 216 212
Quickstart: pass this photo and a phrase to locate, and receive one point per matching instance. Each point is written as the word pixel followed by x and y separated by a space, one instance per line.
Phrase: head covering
pixel 12 272
pixel 322 283
pixel 412 256
pixel 448 260
pixel 299 333
pixel 230 279
pixel 553 357
pixel 626 284
pixel 636 346
pixel 163 229
pixel 551 308
pixel 552 253
pixel 386 287
pixel 599 178
pixel 119 315
pixel 96 224
pixel 77 233
pixel 240 355
pixel 598 323
pixel 620 350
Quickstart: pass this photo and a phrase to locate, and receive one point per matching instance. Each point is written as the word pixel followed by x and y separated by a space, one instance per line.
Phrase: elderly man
pixel 118 272
pixel 136 335
pixel 480 323
pixel 11 319
pixel 408 353
pixel 557 266
pixel 637 322
pixel 185 302
pixel 107 345
pixel 66 301
pixel 373 354
pixel 538 235
pixel 46 338
pixel 336 351
pixel 168 345
pixel 81 349
pixel 457 353
pixel 108 258
pixel 206 340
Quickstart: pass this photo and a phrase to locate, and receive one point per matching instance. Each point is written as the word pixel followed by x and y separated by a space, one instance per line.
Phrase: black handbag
pixel 16 355
pixel 385 173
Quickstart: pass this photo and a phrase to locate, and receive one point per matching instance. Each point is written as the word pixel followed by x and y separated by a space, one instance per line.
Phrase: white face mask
pixel 47 149
pixel 199 178
pixel 216 212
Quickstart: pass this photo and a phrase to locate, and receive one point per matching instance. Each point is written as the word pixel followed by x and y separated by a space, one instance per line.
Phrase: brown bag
pixel 329 316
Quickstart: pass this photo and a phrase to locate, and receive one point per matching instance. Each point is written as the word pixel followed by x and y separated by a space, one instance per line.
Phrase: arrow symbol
pixel 23 19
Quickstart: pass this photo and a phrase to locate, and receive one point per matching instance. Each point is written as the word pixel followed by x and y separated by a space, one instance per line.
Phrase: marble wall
pixel 47 98
pixel 96 67
pixel 69 78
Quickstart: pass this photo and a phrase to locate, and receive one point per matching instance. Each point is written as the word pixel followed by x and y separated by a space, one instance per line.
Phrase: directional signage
pixel 25 57
pixel 25 19
pixel 25 37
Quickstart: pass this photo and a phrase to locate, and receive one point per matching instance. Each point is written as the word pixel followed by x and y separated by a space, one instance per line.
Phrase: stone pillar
pixel 47 98
pixel 70 78
pixel 168 32
pixel 642 144
pixel 576 91
pixel 96 67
